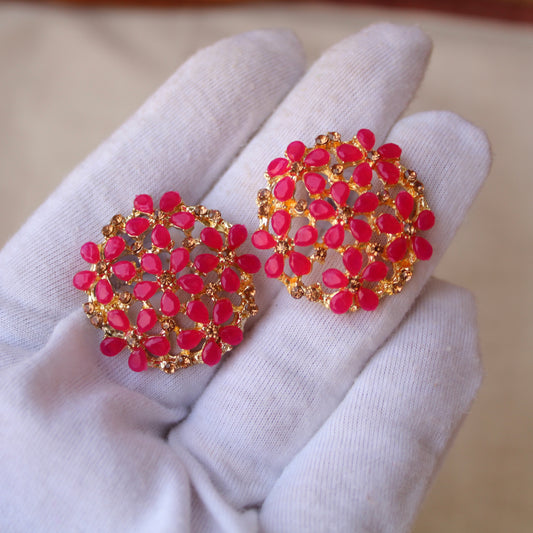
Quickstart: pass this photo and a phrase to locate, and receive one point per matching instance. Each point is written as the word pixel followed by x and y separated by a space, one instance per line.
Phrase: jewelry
pixel 358 207
pixel 169 284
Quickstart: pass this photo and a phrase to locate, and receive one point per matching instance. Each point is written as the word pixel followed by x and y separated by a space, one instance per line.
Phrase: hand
pixel 316 422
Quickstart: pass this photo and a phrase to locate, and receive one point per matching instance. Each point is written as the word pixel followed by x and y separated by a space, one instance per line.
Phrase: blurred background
pixel 71 74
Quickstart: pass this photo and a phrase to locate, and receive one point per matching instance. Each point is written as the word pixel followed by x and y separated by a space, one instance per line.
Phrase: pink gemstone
pixel 389 172
pixel 158 346
pixel 137 360
pixel 281 222
pixel 321 210
pixel 144 290
pixel 306 236
pixel 262 240
pixel 188 339
pixel 136 226
pixel 118 320
pixel 169 201
pixel 375 271
pixel 114 247
pixel 183 220
pixel 352 260
pixel 366 299
pixel 284 189
pixel 317 158
pixel 388 223
pixel 231 335
pixel 111 346
pixel 160 236
pixel 334 279
pixel 211 353
pixel 83 280
pixel 299 263
pixel 361 230
pixel 277 167
pixel 315 183
pixel 334 237
pixel 249 263
pixel 144 203
pixel 206 262
pixel 222 311
pixel 366 138
pixel 425 220
pixel 236 236
pixel 348 152
pixel 151 264
pixel 423 250
pixel 339 192
pixel 341 302
pixel 197 311
pixel 366 203
pixel 90 253
pixel 170 304
pixel 404 203
pixel 124 270
pixel 230 281
pixel 179 259
pixel 295 150
pixel 212 238
pixel 274 266
pixel 397 249
pixel 103 291
pixel 146 320
pixel 191 283
pixel 390 151
pixel 362 175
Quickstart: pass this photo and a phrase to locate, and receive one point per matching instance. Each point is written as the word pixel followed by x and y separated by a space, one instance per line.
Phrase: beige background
pixel 70 77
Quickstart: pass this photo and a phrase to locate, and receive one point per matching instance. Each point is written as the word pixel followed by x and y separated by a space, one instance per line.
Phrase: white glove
pixel 316 422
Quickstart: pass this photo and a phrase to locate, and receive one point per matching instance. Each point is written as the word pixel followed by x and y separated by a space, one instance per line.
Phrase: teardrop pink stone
pixel 274 266
pixel 334 237
pixel 151 264
pixel 187 339
pixel 158 346
pixel 146 320
pixel 366 203
pixel 83 280
pixel 144 290
pixel 90 253
pixel 352 260
pixel 262 240
pixel 315 183
pixel 425 220
pixel 423 250
pixel 397 249
pixel 317 158
pixel 334 279
pixel 341 302
pixel 388 223
pixel 144 203
pixel 136 226
pixel 299 263
pixel 170 304
pixel 277 166
pixel 197 311
pixel 231 335
pixel 103 291
pixel 222 311
pixel 161 236
pixel 281 221
pixel 169 201
pixel 404 203
pixel 390 151
pixel 306 236
pixel 191 283
pixel 111 346
pixel 361 230
pixel 389 172
pixel 206 262
pixel 118 320
pixel 339 192
pixel 348 152
pixel 284 189
pixel 137 360
pixel 179 259
pixel 362 175
pixel 183 220
pixel 114 247
pixel 321 210
pixel 375 271
pixel 230 281
pixel 295 150
pixel 366 138
pixel 211 353
pixel 367 299
pixel 124 270
pixel 236 236
pixel 212 238
pixel 249 263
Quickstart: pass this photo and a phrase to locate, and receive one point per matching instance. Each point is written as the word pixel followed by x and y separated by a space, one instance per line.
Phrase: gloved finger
pixel 183 138
pixel 370 464
pixel 285 379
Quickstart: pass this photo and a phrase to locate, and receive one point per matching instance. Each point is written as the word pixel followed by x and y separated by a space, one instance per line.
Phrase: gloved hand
pixel 316 422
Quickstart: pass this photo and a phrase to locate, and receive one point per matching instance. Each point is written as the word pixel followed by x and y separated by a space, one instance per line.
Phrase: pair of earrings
pixel 341 221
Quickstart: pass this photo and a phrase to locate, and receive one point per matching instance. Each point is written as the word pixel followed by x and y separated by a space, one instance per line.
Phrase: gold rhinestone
pixel 88 308
pixel 409 229
pixel 133 339
pixel 297 167
pixel 354 285
pixel 167 278
pixel 319 255
pixel 252 309
pixel 168 367
pixel 314 293
pixel 215 214
pixel 136 246
pixel 383 196
pixel 169 324
pixel 249 291
pixel 101 267
pixel 189 242
pixel 263 195
pixel 418 186
pixel 374 248
pixel 97 321
pixel 396 288
pixel 411 176
pixel 263 210
pixel 344 213
pixel 335 136
pixel 337 169
pixel 300 207
pixel 210 331
pixel 211 290
pixel 108 230
pixel 405 274
pixel 186 361
pixel 117 220
pixel 322 139
pixel 200 210
pixel 297 291
pixel 373 155
pixel 283 247
pixel 125 297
